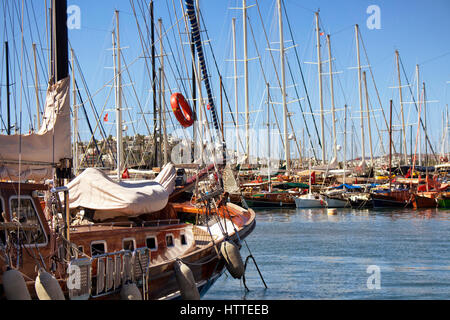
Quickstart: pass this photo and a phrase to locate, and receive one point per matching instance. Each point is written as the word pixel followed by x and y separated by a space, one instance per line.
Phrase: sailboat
pixel 310 200
pixel 95 238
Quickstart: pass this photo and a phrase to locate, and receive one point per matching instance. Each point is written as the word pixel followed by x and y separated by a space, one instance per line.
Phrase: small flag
pixel 105 118
pixel 322 33
pixel 313 177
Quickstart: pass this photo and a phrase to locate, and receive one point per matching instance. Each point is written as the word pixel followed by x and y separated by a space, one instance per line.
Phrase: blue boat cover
pixel 347 186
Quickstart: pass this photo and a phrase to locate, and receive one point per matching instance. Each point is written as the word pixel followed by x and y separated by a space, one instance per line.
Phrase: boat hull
pixel 336 203
pixel 423 202
pixel 385 203
pixel 309 203
pixel 393 199
pixel 361 202
pixel 268 204
pixel 444 203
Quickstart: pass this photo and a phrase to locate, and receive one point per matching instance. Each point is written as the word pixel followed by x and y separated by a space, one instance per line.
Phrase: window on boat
pixel 169 240
pixel 98 247
pixel 25 211
pixel 183 240
pixel 128 244
pixel 151 243
pixel 81 249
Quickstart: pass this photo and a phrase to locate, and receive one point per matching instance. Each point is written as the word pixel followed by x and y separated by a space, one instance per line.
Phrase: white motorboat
pixel 310 200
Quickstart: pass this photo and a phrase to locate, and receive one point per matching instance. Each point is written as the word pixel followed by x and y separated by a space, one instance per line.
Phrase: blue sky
pixel 418 29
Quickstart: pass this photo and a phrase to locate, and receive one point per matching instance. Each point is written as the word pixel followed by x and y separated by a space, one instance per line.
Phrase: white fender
pixel 15 286
pixel 186 282
pixel 233 259
pixel 47 287
pixel 130 292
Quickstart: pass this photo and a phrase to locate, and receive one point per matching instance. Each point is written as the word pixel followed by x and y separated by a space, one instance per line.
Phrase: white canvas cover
pixel 93 189
pixel 40 150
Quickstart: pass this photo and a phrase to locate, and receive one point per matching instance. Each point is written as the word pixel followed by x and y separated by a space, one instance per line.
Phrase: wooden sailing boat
pixel 310 200
pixel 156 253
pixel 390 197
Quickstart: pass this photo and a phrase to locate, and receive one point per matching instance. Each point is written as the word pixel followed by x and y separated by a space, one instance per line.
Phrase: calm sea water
pixel 306 254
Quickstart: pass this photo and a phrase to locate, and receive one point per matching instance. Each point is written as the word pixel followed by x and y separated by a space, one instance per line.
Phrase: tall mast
pixel 443 136
pixel 268 137
pixel 116 98
pixel 401 105
pixel 246 95
pixel 363 149
pixel 160 118
pixel 419 103
pixel 196 69
pixel 303 146
pixel 353 142
pixel 446 131
pixel 345 141
pixel 426 145
pixel 332 98
pixel 163 91
pixel 368 118
pixel 200 108
pixel 283 92
pixel 194 95
pixel 425 118
pixel 119 102
pixel 233 23
pixel 8 105
pixel 36 88
pixel 309 172
pixel 221 105
pixel 390 144
pixel 155 111
pixel 319 70
pixel 75 117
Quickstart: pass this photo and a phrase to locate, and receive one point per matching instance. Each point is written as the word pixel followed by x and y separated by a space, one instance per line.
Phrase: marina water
pixel 307 254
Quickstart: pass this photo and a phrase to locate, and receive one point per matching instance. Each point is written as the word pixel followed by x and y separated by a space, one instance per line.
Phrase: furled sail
pixel 33 156
pixel 94 190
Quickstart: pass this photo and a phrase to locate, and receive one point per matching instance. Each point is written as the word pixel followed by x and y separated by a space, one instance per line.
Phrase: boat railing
pixel 111 271
pixel 157 223
pixel 131 224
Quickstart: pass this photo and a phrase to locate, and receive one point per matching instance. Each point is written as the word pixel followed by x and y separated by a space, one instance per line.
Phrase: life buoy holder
pixel 182 110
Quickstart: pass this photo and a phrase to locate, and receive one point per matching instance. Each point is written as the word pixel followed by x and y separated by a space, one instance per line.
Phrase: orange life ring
pixel 183 114
pixel 259 179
